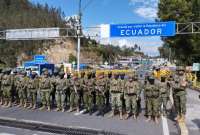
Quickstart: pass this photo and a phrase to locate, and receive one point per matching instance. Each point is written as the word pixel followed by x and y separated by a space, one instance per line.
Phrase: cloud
pixel 146 12
pixel 149 45
pixel 145 8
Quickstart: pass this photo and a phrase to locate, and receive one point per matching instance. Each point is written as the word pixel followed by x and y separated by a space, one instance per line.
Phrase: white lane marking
pixel 79 113
pixel 6 134
pixel 165 125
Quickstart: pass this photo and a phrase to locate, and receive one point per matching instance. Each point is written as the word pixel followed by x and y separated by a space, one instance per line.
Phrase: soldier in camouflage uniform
pixel 89 87
pixel 7 87
pixel 164 96
pixel 61 87
pixel 69 89
pixel 21 86
pixel 131 94
pixel 45 88
pixel 179 93
pixel 152 94
pixel 53 81
pixel 74 94
pixel 32 88
pixel 115 90
pixel 100 93
pixel 82 87
pixel 1 92
pixel 107 88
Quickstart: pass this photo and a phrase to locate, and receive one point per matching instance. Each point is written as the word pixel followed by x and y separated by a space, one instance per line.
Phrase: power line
pixel 88 4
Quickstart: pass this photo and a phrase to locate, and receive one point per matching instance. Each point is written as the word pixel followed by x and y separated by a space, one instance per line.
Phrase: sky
pixel 97 12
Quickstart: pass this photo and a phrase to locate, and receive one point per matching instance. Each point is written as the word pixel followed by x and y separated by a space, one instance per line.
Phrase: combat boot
pixel 134 117
pixel 120 115
pixel 63 110
pixel 25 104
pixel 57 109
pixel 1 103
pixel 42 108
pixel 112 114
pixel 20 103
pixel 148 119
pixel 5 104
pixel 77 109
pixel 71 109
pixel 34 107
pixel 48 108
pixel 9 104
pixel 127 116
pixel 156 120
pixel 30 106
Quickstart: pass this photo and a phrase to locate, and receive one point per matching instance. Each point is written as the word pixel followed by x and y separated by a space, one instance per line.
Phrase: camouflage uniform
pixel 69 89
pixel 1 91
pixel 100 93
pixel 21 87
pixel 61 87
pixel 164 96
pixel 107 88
pixel 89 88
pixel 32 88
pixel 15 96
pixel 152 95
pixel 7 87
pixel 74 94
pixel 53 82
pixel 115 90
pixel 82 87
pixel 45 88
pixel 131 94
pixel 179 95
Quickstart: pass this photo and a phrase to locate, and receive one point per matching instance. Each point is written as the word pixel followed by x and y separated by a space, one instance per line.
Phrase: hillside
pixel 24 14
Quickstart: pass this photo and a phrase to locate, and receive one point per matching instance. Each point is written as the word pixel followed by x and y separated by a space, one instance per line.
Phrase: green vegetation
pixel 24 14
pixel 185 48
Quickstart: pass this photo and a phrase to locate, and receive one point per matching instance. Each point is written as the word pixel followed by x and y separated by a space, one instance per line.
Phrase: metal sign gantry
pixel 188 28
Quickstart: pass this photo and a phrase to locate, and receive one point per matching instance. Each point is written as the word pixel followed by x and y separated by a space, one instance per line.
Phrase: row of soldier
pixel 89 90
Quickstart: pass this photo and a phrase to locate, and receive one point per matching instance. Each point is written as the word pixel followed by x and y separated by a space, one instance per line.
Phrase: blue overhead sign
pixel 146 29
pixel 39 58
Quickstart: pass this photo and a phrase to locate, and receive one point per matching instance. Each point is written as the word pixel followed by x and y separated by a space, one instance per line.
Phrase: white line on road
pixel 165 125
pixel 79 113
pixel 6 134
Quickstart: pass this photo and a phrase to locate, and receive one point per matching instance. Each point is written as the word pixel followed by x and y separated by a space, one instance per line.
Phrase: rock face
pixel 60 50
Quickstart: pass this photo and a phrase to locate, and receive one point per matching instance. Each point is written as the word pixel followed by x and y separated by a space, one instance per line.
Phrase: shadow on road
pixel 197 122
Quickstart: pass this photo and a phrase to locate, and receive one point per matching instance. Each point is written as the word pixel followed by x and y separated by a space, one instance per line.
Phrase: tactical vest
pixel 6 81
pixel 114 86
pixel 61 84
pixel 45 83
pixel 32 84
pixel 131 88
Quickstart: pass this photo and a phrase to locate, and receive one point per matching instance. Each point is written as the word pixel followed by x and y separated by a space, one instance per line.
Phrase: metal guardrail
pixel 56 129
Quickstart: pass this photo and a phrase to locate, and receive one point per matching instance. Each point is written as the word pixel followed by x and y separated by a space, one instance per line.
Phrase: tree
pixel 72 58
pixel 182 11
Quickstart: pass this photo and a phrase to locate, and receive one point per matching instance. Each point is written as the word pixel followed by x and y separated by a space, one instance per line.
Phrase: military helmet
pixel 45 71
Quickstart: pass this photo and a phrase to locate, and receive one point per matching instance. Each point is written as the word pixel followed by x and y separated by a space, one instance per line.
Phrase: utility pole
pixel 79 33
